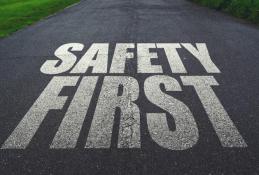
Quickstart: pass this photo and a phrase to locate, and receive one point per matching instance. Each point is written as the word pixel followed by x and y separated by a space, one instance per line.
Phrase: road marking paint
pixel 48 100
pixel 70 127
pixel 122 91
pixel 186 133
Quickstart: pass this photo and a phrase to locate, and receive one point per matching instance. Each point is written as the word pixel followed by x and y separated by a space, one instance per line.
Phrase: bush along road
pixel 246 9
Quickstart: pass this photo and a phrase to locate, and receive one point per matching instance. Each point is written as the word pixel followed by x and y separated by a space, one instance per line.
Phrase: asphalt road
pixel 233 47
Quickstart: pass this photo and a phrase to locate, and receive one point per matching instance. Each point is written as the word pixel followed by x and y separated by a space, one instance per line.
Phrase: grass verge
pixel 246 9
pixel 16 14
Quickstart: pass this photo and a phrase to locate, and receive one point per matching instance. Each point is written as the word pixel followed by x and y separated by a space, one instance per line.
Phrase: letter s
pixel 68 59
pixel 186 133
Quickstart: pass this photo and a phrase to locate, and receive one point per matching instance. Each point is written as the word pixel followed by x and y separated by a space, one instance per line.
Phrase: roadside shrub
pixel 247 9
pixel 211 3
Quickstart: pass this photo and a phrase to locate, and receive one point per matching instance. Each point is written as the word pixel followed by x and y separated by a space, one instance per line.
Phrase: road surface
pixel 194 110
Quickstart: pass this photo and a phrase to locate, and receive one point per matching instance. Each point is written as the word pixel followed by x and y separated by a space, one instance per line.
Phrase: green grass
pixel 16 14
pixel 247 9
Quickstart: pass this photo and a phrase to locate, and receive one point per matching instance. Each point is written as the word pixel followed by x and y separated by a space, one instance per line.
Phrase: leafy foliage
pixel 247 9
